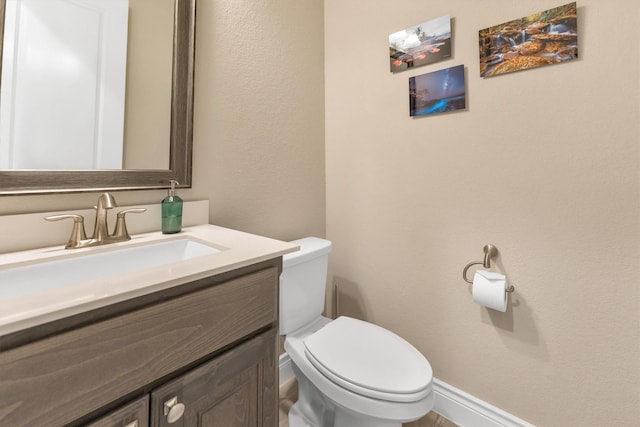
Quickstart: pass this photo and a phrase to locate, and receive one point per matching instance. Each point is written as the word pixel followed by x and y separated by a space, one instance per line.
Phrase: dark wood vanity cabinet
pixel 235 389
pixel 134 414
pixel 202 354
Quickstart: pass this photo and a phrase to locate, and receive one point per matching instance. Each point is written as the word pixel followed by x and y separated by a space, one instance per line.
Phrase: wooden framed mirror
pixel 41 181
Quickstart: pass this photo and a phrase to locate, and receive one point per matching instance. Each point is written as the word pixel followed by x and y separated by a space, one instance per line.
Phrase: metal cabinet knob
pixel 173 410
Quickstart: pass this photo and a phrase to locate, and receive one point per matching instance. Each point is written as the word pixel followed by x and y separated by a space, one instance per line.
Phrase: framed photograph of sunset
pixel 420 45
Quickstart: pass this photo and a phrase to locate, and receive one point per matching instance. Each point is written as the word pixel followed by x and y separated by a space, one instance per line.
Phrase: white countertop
pixel 238 249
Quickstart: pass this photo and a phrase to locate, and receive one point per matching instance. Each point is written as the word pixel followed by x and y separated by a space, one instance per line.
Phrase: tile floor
pixel 289 394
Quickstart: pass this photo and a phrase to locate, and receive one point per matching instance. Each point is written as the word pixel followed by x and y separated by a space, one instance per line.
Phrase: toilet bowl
pixel 350 373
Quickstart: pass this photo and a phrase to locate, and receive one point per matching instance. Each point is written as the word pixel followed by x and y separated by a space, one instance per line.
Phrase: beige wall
pixel 149 71
pixel 543 163
pixel 260 115
pixel 259 121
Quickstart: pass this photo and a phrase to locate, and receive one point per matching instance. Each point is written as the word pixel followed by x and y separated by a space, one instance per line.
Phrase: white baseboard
pixel 467 410
pixel 286 371
pixel 455 405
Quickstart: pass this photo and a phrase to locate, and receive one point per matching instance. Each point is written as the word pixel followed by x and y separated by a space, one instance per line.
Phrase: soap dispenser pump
pixel 172 211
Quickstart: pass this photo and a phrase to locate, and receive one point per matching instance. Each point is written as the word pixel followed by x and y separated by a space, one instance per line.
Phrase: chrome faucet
pixel 101 236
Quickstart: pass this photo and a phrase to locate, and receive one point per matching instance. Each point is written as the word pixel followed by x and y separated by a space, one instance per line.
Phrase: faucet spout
pixel 106 201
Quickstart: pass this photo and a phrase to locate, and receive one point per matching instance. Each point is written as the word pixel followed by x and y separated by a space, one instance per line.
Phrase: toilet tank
pixel 303 283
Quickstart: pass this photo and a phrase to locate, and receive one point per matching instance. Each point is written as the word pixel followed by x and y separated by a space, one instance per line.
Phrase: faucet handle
pixel 121 226
pixel 77 232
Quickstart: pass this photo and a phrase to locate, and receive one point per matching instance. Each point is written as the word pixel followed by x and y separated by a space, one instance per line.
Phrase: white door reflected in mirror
pixel 53 70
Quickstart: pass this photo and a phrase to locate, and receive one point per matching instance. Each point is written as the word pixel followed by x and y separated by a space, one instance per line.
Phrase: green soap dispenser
pixel 172 211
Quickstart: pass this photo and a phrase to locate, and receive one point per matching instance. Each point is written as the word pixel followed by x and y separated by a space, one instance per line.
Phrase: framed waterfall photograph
pixel 420 45
pixel 544 38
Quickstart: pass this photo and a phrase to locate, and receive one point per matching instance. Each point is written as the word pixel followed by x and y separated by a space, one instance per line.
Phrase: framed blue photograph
pixel 437 92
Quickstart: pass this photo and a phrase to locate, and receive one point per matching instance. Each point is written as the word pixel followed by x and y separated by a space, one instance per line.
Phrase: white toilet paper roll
pixel 489 290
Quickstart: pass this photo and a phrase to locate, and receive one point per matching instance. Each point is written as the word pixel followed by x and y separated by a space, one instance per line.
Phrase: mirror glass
pixel 95 94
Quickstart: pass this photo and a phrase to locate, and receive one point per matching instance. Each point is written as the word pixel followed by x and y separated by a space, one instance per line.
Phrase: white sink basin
pixel 42 285
pixel 77 268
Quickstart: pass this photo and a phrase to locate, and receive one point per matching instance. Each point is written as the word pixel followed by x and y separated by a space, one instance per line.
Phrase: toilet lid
pixel 369 360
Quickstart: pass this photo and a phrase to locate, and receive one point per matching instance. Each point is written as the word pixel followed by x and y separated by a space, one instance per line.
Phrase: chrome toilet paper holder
pixel 490 251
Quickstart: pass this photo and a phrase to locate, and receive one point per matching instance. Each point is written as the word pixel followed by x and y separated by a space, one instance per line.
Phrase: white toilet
pixel 350 373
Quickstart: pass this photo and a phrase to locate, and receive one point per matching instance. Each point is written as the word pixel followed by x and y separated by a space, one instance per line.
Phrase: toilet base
pixel 341 419
pixel 314 409
pixel 297 418
pixel 344 418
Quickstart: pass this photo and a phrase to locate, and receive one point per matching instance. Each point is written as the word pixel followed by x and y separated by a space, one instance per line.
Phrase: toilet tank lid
pixel 310 247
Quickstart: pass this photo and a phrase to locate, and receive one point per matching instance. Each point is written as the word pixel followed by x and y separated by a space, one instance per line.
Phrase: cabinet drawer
pixel 62 378
pixel 134 414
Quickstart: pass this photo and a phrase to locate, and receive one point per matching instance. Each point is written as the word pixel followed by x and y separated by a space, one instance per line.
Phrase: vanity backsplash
pixel 28 231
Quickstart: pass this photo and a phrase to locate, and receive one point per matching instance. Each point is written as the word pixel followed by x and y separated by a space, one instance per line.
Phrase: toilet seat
pixel 369 360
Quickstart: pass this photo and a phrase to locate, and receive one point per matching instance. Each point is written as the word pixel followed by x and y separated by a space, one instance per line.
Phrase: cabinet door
pixel 134 414
pixel 236 389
